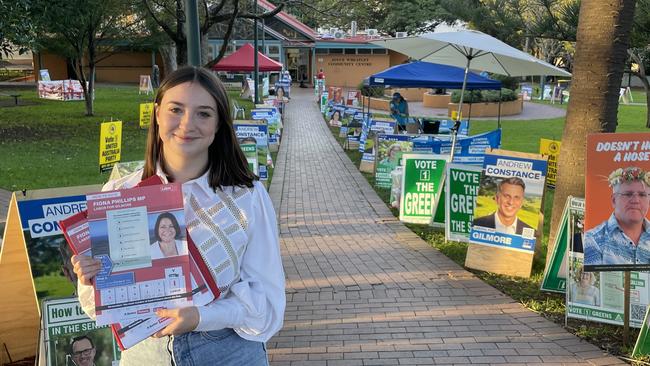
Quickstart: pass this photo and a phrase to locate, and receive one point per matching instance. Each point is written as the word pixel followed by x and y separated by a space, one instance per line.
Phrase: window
pixel 364 51
pixel 336 51
pixel 350 51
pixel 379 51
pixel 274 50
pixel 322 51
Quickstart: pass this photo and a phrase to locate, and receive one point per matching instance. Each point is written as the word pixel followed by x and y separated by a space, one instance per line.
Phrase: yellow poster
pixel 145 114
pixel 550 148
pixel 110 141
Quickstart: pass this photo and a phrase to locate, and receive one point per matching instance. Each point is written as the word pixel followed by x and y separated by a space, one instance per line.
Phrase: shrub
pixel 470 96
pixel 484 96
pixel 507 82
pixel 371 91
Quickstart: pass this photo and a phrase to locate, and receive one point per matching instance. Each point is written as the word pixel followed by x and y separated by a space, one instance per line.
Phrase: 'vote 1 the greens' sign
pixel 421 187
pixel 462 188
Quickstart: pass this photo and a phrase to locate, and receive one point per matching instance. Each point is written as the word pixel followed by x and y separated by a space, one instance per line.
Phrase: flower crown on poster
pixel 629 174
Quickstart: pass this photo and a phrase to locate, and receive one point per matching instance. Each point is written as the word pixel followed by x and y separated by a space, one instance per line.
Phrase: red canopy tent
pixel 242 61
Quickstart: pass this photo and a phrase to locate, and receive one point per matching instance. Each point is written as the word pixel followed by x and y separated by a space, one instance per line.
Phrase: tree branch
pixel 226 37
pixel 162 24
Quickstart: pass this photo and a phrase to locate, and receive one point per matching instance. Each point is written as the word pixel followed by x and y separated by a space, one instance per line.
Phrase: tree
pixel 169 15
pixel 602 40
pixel 387 16
pixel 85 31
pixel 16 29
pixel 544 28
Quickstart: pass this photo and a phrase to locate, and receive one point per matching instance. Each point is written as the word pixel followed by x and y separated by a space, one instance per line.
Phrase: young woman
pixel 191 141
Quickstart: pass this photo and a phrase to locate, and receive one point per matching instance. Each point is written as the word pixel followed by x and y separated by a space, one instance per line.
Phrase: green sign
pixel 556 273
pixel 323 101
pixel 439 215
pixel 421 186
pixel 461 190
pixel 250 151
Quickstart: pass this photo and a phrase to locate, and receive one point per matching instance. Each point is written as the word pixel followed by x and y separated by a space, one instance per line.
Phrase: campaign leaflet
pixel 617 175
pixel 255 132
pixel 555 274
pixel 468 150
pixel 599 296
pixel 462 185
pixel 421 187
pixel 388 151
pixel 66 330
pixel 127 334
pixel 127 228
pixel 509 201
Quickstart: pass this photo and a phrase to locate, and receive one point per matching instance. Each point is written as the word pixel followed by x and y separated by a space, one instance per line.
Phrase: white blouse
pixel 250 276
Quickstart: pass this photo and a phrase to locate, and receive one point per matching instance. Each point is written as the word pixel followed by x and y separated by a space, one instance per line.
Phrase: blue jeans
pixel 220 348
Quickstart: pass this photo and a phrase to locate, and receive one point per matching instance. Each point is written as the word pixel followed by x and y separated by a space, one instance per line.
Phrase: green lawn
pixel 52 144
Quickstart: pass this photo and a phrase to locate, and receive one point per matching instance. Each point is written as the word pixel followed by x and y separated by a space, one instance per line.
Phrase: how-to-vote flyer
pixel 509 201
pixel 127 232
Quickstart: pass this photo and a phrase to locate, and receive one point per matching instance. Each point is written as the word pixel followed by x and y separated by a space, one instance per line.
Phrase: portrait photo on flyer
pixel 617 181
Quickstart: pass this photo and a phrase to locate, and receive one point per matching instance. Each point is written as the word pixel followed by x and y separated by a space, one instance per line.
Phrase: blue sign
pixel 468 150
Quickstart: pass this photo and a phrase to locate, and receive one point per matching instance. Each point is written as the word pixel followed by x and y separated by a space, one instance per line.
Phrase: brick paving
pixel 362 289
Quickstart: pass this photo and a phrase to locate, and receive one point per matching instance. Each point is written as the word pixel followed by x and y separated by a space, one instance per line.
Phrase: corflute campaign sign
pixel 508 205
pixel 421 187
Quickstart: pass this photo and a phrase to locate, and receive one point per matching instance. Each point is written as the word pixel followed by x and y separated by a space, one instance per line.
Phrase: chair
pixel 236 109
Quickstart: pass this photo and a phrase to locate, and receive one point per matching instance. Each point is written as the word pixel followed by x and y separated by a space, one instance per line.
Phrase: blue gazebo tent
pixel 421 74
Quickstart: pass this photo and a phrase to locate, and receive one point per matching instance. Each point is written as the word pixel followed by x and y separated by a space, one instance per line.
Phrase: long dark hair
pixel 227 165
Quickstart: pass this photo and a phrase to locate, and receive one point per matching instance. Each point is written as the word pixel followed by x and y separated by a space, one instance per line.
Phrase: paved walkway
pixel 362 289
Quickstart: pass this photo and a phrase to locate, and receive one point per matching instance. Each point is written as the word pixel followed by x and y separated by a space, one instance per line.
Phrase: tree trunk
pixel 602 41
pixel 181 53
pixel 168 55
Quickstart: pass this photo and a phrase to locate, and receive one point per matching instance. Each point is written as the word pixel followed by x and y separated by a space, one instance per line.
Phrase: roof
pixel 243 60
pixel 289 20
pixel 356 39
pixel 421 74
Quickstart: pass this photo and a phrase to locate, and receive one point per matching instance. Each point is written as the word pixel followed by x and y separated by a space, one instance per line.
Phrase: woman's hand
pixel 86 268
pixel 185 320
